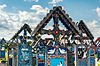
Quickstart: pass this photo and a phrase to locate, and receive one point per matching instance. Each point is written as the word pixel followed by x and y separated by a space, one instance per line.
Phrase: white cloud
pixel 93 24
pixel 10 23
pixel 94 28
pixel 55 1
pixel 31 0
pixel 98 11
pixel 3 6
pixel 39 9
pixel 36 7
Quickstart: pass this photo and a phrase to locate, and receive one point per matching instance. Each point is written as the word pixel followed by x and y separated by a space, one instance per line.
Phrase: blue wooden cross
pixel 56 31
pixel 24 51
pixel 91 56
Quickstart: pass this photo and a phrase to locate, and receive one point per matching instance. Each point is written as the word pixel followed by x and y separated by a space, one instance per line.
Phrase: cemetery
pixel 72 46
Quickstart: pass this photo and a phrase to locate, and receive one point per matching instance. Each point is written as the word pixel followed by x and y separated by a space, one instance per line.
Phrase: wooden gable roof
pixel 3 41
pixel 82 26
pixel 65 19
pixel 25 26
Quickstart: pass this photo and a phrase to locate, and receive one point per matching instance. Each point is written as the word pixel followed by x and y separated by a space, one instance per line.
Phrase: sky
pixel 15 13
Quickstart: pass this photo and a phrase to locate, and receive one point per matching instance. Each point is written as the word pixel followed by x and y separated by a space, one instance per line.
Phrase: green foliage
pixel 6 50
pixel 38 36
pixel 3 60
pixel 6 46
pixel 29 42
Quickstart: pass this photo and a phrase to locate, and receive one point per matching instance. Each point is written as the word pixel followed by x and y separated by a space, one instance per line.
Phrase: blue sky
pixel 77 9
pixel 15 13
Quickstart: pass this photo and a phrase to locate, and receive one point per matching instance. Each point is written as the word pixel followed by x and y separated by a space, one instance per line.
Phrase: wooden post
pixel 81 61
